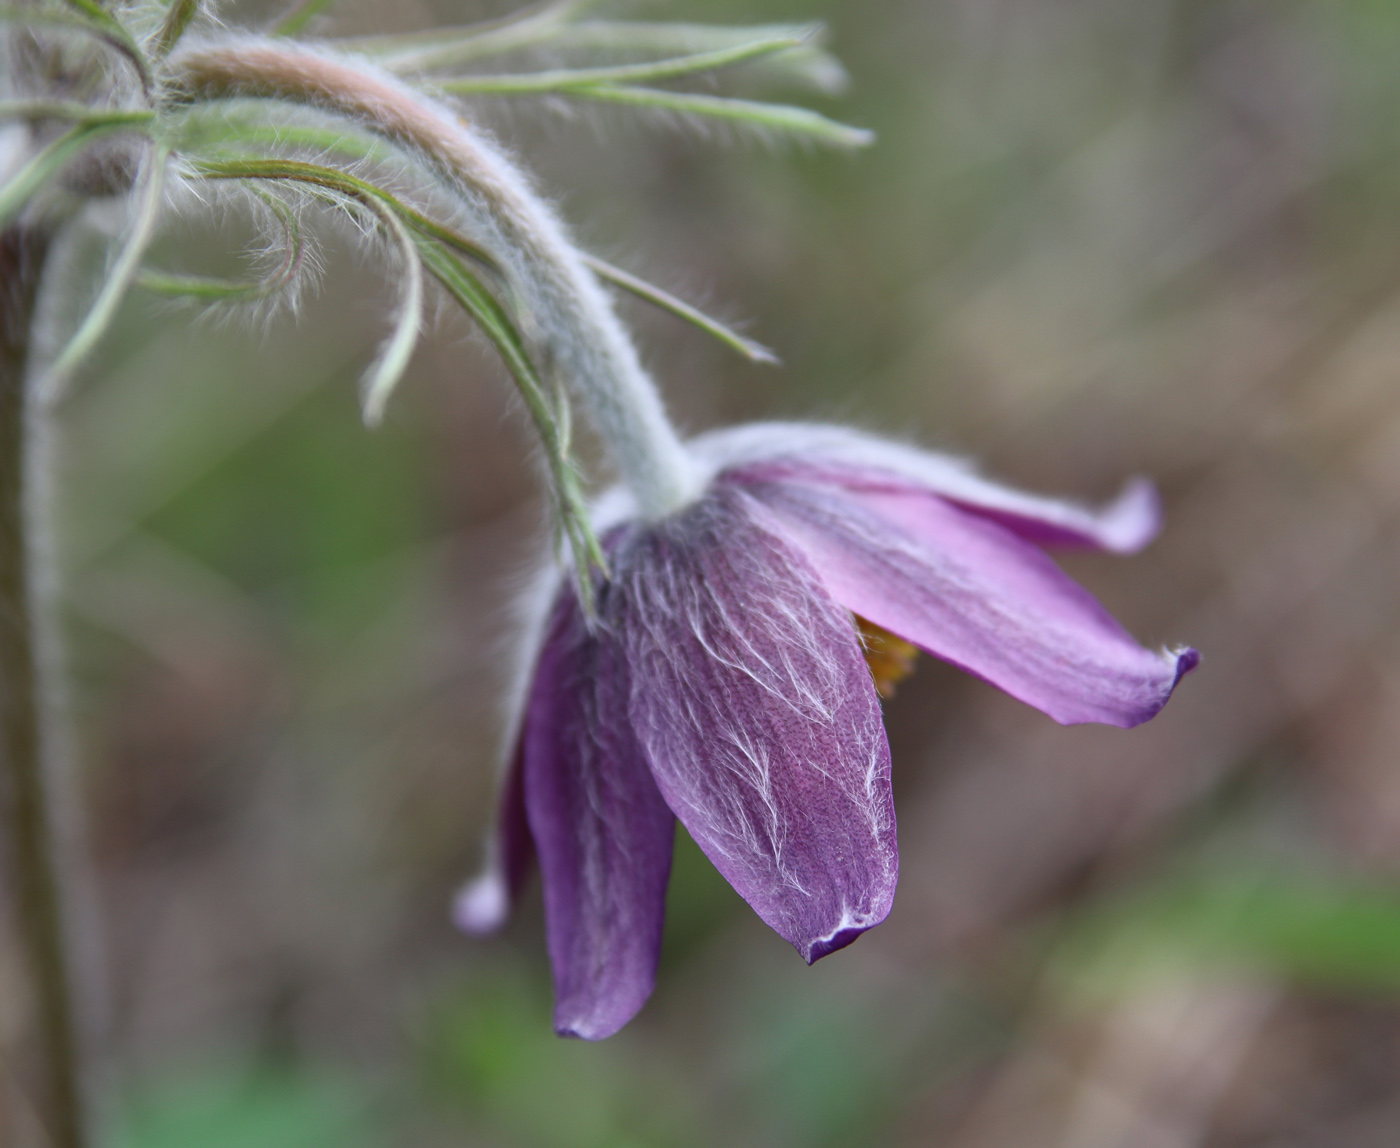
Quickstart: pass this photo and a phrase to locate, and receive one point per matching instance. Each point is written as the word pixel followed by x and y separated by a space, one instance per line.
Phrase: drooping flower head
pixel 731 675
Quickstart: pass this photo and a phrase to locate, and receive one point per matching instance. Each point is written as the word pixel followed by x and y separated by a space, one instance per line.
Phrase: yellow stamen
pixel 890 659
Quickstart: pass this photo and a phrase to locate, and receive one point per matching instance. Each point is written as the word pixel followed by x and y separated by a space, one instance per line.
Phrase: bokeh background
pixel 1094 239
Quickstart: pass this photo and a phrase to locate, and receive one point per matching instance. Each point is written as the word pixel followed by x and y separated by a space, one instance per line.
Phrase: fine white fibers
pixel 283 258
pixel 751 698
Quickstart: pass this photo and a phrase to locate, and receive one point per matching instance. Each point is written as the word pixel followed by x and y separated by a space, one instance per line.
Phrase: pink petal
pixel 1122 526
pixel 968 591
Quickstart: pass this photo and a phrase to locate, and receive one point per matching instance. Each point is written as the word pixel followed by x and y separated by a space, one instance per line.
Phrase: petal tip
pixel 483 904
pixel 569 1032
pixel 1133 519
pixel 590 1028
pixel 825 946
pixel 1187 659
pixel 851 926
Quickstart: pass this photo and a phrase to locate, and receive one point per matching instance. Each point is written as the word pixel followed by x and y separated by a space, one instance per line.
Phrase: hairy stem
pixel 586 342
pixel 30 819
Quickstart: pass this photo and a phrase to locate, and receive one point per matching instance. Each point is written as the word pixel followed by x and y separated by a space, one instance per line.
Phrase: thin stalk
pixel 392 362
pixel 488 38
pixel 524 83
pixel 343 183
pixel 453 47
pixel 177 19
pixel 802 122
pixel 30 815
pixel 71 110
pixel 754 352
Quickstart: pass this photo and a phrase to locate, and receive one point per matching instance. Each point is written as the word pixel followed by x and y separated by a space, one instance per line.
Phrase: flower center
pixel 891 659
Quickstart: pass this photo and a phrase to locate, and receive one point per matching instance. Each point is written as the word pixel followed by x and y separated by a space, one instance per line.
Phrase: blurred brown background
pixel 1094 239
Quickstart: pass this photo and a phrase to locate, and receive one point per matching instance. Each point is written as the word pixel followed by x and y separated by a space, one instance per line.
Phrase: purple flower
pixel 724 682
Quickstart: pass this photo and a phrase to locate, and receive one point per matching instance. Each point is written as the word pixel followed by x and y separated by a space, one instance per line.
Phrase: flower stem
pixel 30 819
pixel 587 344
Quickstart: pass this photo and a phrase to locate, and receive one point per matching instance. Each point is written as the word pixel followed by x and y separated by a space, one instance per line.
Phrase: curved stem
pixel 588 345
pixel 31 819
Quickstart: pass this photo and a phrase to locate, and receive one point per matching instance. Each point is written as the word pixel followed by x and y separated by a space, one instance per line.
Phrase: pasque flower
pixel 729 679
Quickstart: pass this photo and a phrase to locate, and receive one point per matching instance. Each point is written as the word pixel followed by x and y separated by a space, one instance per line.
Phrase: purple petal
pixel 603 832
pixel 1123 526
pixel 484 904
pixel 757 712
pixel 968 591
pixel 843 456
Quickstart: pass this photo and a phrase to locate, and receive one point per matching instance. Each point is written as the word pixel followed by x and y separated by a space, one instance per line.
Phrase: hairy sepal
pixel 759 719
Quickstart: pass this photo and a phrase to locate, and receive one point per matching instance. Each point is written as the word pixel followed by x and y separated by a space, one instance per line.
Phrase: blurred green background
pixel 1094 239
